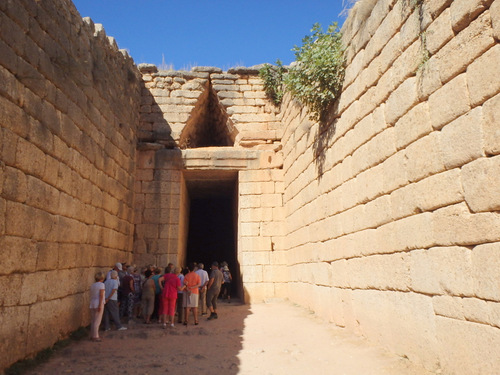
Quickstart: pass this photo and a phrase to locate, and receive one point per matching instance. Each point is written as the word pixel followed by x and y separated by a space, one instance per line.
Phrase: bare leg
pixel 195 315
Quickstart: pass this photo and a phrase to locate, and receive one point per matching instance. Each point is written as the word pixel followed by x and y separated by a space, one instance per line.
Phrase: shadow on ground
pixel 211 347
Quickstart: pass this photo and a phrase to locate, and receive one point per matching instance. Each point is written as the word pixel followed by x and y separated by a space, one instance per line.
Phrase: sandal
pixel 185 323
pixel 196 323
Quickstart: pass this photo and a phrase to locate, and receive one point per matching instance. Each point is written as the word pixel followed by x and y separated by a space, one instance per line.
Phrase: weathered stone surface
pixel 401 100
pixel 482 81
pixel 495 18
pixel 455 225
pixel 412 126
pixel 442 271
pixel 485 262
pixel 461 140
pixel 464 11
pixel 362 220
pixel 206 69
pixel 459 344
pixel 423 157
pixel 467 46
pixel 13 322
pixel 401 315
pixel 449 102
pixel 490 128
pixel 481 183
pixel 439 32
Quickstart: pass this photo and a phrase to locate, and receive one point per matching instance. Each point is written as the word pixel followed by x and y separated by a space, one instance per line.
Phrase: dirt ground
pixel 266 339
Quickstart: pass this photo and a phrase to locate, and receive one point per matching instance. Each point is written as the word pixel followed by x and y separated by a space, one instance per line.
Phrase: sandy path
pixel 270 338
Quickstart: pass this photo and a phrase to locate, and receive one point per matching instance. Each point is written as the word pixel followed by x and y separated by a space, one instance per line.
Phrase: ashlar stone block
pixel 18 255
pixel 481 181
pixel 495 18
pixel 248 258
pixel 464 11
pixel 465 48
pixel 14 184
pixel 467 347
pixel 449 102
pixel 401 100
pixel 442 271
pixel 423 157
pixel 439 32
pixel 491 127
pixel 435 7
pixel 455 225
pixel 413 125
pixel 395 172
pixel 428 78
pixel 482 78
pixel 13 320
pixel 461 140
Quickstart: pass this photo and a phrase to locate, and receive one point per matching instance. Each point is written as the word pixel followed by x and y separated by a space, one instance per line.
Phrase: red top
pixel 170 287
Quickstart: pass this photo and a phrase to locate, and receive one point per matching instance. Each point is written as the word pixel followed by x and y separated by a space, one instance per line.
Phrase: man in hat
pixel 118 268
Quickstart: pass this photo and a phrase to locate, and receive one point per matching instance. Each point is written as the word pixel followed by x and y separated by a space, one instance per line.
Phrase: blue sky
pixel 221 33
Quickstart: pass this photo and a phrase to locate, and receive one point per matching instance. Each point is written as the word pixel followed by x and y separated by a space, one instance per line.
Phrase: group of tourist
pixel 125 293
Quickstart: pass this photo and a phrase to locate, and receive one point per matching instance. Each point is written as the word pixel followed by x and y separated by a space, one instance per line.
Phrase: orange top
pixel 193 281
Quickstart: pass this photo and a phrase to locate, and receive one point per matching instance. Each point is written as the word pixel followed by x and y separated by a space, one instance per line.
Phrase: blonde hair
pixel 99 276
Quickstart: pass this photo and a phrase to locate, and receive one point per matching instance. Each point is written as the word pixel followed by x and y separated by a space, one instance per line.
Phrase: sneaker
pixel 107 329
pixel 212 316
pixel 122 329
pixel 172 325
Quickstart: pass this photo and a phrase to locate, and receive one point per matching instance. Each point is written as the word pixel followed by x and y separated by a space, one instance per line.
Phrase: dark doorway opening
pixel 212 224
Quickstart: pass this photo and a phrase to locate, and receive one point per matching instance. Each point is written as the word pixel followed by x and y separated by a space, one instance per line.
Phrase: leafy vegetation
pixel 317 76
pixel 272 75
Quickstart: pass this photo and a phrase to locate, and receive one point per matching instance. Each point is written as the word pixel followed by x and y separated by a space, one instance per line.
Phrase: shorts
pixel 190 300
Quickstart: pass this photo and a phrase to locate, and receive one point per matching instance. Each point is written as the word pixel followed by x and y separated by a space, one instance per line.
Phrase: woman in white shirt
pixel 96 306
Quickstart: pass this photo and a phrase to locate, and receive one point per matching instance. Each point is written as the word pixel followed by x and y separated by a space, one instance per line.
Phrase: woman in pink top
pixel 170 285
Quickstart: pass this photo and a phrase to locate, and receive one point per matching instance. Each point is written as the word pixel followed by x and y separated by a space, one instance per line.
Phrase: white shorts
pixel 190 300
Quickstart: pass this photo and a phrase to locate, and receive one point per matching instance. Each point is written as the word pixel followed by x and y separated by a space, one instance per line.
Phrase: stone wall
pixel 385 220
pixel 392 211
pixel 69 111
pixel 207 121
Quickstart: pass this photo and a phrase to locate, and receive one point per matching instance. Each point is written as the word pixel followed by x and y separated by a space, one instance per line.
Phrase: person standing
pixel 118 268
pixel 96 306
pixel 203 287
pixel 226 285
pixel 148 296
pixel 171 285
pixel 111 302
pixel 191 292
pixel 156 278
pixel 213 290
pixel 127 295
pixel 136 311
pixel 180 294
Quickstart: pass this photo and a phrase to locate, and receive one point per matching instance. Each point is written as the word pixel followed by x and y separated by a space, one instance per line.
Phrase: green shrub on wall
pixel 272 75
pixel 316 78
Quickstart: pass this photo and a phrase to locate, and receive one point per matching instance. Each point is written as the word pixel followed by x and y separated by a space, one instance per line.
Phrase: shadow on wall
pixel 326 130
pixel 153 127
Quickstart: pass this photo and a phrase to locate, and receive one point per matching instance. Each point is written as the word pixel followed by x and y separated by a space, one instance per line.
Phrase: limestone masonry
pixel 385 221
